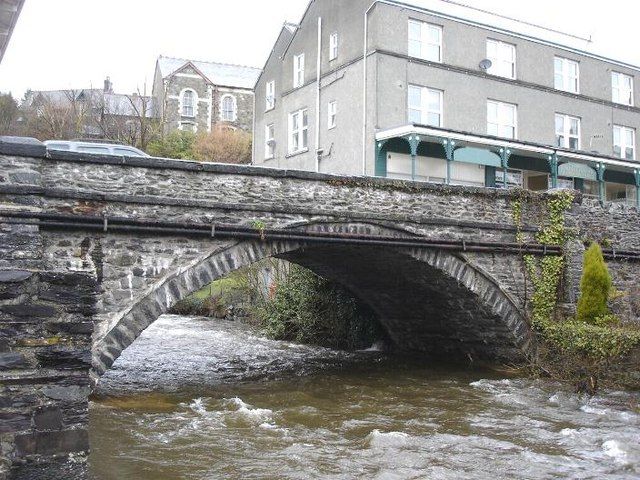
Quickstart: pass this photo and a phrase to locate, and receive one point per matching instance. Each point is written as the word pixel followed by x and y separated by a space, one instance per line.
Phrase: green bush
pixel 178 144
pixel 595 287
pixel 306 308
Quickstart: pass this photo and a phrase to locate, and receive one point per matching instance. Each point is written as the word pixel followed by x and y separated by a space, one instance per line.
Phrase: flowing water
pixel 196 399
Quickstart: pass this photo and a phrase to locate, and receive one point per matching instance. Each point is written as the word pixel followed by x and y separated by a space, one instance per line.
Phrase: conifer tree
pixel 595 286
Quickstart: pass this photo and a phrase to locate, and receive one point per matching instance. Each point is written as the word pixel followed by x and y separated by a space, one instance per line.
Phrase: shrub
pixel 306 308
pixel 178 144
pixel 223 146
pixel 595 287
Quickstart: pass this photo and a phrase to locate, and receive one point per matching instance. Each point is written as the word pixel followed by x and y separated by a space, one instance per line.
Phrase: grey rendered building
pixel 446 94
pixel 199 96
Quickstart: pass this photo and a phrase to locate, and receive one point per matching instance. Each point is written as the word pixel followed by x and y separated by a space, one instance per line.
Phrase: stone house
pixel 200 96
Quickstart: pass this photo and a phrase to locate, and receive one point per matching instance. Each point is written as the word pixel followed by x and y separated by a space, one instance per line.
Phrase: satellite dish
pixel 485 64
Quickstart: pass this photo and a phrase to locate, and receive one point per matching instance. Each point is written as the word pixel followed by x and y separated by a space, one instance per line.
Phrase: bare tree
pixel 128 119
pixel 56 115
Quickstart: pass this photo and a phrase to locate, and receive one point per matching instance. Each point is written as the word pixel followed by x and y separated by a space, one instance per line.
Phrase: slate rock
pixel 11 360
pixel 48 417
pixel 73 393
pixel 13 276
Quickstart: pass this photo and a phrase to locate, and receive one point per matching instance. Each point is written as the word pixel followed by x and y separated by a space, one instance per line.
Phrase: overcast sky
pixel 76 43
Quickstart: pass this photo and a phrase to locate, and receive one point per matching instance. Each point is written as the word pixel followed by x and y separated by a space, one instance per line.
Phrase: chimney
pixel 108 86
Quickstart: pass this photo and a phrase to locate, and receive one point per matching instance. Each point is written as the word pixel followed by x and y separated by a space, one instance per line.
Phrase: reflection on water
pixel 374 419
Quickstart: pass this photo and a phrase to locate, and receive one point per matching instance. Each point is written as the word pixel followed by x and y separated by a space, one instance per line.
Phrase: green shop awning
pixel 577 170
pixel 477 155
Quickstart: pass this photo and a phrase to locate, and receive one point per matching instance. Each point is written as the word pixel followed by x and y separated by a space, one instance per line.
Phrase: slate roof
pixel 217 73
pixel 114 103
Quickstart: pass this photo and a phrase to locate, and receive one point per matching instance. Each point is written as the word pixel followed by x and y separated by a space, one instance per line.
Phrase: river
pixel 198 399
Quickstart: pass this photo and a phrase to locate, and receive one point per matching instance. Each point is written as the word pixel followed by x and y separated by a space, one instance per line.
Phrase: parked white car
pixel 90 147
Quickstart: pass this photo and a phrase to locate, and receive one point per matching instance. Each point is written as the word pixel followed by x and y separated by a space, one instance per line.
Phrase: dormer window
pixel 188 103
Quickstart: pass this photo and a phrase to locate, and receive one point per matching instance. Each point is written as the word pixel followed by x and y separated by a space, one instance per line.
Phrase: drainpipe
pixel 364 90
pixel 253 143
pixel 318 75
pixel 636 174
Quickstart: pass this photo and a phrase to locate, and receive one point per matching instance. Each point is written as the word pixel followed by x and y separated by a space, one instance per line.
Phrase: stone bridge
pixel 94 248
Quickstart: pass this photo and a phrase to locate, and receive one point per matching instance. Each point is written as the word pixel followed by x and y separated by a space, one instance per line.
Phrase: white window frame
pixel 332 115
pixel 423 108
pixel 623 143
pixel 500 107
pixel 269 141
pixel 418 47
pixel 333 46
pixel 499 65
pixel 298 70
pixel 193 126
pixel 568 83
pixel 193 106
pixel 620 93
pixel 297 131
pixel 270 95
pixel 566 131
pixel 234 111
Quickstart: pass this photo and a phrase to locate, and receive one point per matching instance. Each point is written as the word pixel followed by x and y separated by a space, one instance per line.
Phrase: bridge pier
pixel 46 323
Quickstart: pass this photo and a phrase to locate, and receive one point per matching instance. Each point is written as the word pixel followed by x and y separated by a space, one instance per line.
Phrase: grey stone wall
pixel 207 114
pixel 615 225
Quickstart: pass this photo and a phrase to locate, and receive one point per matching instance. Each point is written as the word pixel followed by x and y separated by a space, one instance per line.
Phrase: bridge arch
pixel 409 289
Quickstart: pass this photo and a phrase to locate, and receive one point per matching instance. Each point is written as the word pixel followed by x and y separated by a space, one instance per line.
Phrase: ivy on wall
pixel 599 341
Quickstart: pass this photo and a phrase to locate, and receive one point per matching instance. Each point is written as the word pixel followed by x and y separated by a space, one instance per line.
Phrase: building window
pixel 188 102
pixel 567 131
pixel 270 95
pixel 270 142
pixel 425 41
pixel 425 106
pixel 188 127
pixel 566 75
pixel 228 109
pixel 332 114
pixel 624 142
pixel 503 58
pixel 333 46
pixel 622 86
pixel 298 131
pixel 502 119
pixel 298 70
